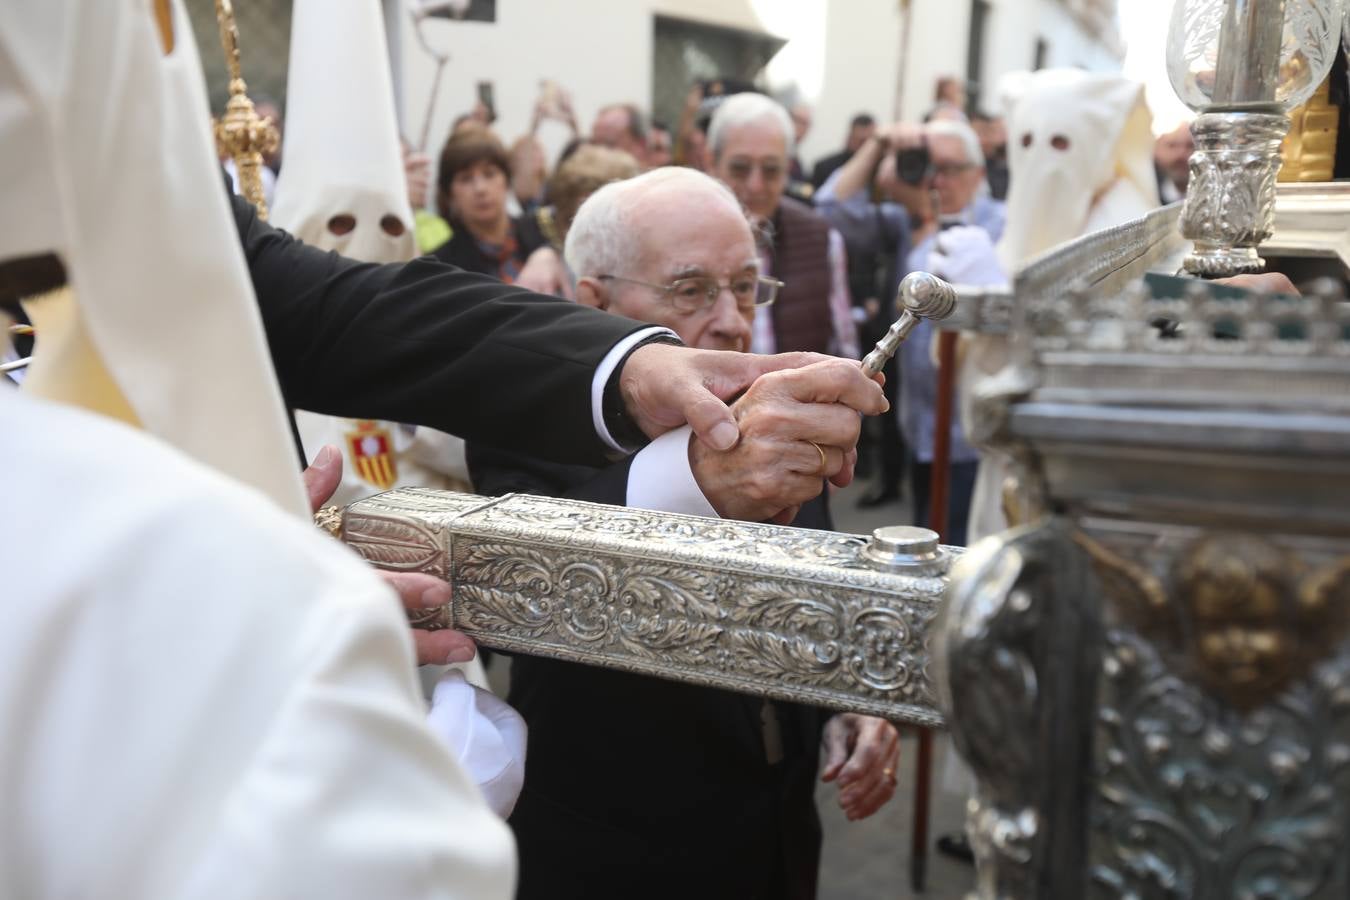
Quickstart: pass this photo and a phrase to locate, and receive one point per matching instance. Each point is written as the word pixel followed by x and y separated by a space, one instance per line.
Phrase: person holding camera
pixel 934 203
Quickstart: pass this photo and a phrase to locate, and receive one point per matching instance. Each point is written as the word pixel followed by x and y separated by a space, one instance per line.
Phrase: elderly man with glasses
pixel 751 139
pixel 636 787
pixel 937 213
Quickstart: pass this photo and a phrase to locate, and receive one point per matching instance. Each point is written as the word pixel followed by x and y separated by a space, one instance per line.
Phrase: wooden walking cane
pixel 939 485
pixel 922 296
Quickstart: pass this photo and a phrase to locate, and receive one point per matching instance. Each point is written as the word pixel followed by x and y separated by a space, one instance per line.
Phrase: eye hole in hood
pixel 342 223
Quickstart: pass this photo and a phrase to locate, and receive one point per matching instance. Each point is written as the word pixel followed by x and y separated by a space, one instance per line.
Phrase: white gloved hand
pixel 966 255
pixel 484 734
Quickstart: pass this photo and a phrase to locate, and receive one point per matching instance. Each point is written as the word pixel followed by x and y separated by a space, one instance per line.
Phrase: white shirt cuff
pixel 602 373
pixel 661 477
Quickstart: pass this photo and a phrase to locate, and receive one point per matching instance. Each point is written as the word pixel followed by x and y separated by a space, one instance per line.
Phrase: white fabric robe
pixel 339 62
pixel 203 697
pixel 1100 175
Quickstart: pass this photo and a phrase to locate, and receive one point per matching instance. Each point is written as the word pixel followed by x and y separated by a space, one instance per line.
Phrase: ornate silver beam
pixel 833 620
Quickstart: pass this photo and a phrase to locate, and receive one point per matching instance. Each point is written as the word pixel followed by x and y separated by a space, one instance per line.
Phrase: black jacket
pixel 826 167
pixel 428 344
pixel 463 251
pixel 639 787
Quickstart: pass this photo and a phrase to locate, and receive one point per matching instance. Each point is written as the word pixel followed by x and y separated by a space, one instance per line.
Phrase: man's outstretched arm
pixel 428 344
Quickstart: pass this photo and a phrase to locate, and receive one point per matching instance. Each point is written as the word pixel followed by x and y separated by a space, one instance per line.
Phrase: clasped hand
pixel 417 591
pixel 797 427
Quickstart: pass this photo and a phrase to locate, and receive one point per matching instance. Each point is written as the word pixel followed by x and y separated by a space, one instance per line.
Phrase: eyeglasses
pixel 697 293
pixel 740 169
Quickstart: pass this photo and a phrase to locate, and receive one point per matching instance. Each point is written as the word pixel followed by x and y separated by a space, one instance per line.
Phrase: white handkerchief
pixel 486 736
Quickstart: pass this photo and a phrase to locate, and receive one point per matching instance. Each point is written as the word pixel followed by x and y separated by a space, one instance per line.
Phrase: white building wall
pixel 860 47
pixel 599 50
pixel 1011 33
pixel 937 47
pixel 862 57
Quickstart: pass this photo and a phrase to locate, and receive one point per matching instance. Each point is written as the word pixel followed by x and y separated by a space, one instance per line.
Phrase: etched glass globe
pixel 1345 29
pixel 1241 54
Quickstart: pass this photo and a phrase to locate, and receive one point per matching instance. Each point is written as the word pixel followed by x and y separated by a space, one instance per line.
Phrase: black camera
pixel 914 164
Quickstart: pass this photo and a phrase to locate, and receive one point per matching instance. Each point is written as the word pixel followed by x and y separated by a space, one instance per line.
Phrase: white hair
pixel 962 132
pixel 602 239
pixel 740 110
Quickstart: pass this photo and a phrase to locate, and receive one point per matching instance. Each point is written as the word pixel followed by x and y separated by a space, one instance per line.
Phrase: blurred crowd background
pixel 512 112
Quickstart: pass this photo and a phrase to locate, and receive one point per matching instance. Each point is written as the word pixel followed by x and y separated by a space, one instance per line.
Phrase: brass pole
pixel 241 133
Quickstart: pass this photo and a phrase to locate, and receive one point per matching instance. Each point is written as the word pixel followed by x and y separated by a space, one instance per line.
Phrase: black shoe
pixel 957 847
pixel 878 497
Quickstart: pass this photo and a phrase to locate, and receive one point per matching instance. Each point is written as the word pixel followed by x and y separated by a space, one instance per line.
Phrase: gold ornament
pixel 1309 149
pixel 1246 617
pixel 241 132
pixel 329 519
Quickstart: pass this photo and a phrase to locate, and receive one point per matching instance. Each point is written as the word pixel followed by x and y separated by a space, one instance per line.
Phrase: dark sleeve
pixel 820 173
pixel 427 344
pixel 495 472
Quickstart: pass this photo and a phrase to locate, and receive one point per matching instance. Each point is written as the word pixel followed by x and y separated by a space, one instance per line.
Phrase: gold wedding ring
pixel 889 773
pixel 821 451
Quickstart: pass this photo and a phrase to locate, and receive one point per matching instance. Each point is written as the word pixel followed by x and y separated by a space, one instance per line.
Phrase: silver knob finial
pixel 921 296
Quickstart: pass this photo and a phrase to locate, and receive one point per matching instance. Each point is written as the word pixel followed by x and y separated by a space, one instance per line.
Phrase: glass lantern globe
pixel 1247 54
pixel 1345 29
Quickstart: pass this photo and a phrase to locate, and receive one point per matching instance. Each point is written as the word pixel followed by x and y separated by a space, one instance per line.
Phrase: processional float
pixel 1150 673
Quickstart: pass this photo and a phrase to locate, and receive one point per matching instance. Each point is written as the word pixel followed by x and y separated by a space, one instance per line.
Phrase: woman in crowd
pixel 583 173
pixel 471 192
pixel 580 174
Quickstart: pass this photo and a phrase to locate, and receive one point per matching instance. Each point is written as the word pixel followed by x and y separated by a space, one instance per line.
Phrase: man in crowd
pixel 860 128
pixel 725 808
pixel 751 142
pixel 994 145
pixel 950 91
pixel 622 126
pixel 1172 159
pixel 954 179
pixel 660 145
pixel 878 238
pixel 801 126
pixel 751 139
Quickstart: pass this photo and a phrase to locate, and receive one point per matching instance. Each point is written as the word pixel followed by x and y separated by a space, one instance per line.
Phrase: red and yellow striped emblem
pixel 371 450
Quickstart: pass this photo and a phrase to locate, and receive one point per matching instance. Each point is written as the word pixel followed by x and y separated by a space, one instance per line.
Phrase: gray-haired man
pixel 951 192
pixel 751 141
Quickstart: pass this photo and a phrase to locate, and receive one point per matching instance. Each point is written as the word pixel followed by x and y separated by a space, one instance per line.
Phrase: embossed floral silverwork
pixel 779 612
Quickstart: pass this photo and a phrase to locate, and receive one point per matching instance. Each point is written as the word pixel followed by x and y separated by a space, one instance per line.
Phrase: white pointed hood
pixel 342 152
pixel 1080 155
pixel 110 164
